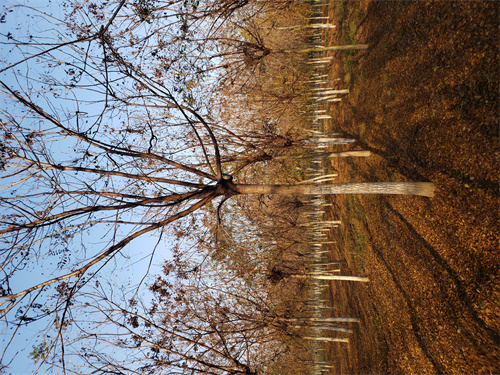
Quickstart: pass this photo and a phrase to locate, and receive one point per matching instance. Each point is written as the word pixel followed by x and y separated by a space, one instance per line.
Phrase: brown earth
pixel 424 99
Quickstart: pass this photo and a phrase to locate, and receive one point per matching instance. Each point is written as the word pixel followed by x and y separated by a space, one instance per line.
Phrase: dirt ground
pixel 424 100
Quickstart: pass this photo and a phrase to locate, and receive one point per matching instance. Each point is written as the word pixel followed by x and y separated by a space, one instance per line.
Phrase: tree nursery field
pixel 249 187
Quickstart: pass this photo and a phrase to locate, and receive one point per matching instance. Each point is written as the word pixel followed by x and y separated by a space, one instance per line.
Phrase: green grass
pixel 357 244
pixel 349 22
pixel 341 11
pixel 361 242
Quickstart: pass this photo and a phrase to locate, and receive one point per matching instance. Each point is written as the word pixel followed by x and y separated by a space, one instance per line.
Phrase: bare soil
pixel 424 100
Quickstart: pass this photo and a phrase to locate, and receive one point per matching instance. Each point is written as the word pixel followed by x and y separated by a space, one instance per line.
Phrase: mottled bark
pixel 425 189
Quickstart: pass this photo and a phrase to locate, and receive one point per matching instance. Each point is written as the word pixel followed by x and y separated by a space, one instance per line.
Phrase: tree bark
pixel 332 277
pixel 344 154
pixel 310 26
pixel 327 141
pixel 425 189
pixel 331 48
pixel 329 339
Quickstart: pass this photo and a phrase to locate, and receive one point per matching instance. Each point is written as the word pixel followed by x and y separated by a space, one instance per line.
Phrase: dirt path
pixel 424 99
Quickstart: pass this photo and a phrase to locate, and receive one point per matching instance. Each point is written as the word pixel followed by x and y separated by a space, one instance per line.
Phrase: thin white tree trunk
pixel 325 320
pixel 310 26
pixel 333 277
pixel 346 154
pixel 331 48
pixel 331 92
pixel 329 263
pixel 321 60
pixel 319 179
pixel 320 223
pixel 327 141
pixel 329 339
pixel 327 328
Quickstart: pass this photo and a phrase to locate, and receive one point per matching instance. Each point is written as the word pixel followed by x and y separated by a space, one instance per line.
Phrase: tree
pixel 225 326
pixel 100 148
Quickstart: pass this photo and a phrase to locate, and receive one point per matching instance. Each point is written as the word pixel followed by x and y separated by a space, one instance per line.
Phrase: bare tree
pixel 205 319
pixel 98 149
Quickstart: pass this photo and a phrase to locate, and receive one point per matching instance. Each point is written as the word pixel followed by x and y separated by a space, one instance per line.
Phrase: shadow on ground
pixel 424 99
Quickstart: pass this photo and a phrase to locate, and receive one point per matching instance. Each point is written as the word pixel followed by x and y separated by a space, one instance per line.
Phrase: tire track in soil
pixel 412 311
pixel 460 288
pixel 448 290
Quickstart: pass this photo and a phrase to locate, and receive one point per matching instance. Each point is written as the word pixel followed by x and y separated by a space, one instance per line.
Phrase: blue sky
pixel 128 268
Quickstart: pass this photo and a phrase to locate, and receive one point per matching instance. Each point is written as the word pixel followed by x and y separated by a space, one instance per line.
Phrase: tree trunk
pixel 326 328
pixel 322 320
pixel 332 277
pixel 328 339
pixel 331 92
pixel 327 141
pixel 331 48
pixel 310 26
pixel 344 154
pixel 425 189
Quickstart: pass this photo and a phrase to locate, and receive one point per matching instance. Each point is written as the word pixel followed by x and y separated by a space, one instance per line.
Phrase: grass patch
pixel 349 30
pixel 341 12
pixel 357 244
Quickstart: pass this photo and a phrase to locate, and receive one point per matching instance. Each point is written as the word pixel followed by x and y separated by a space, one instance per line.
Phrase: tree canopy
pixel 111 131
pixel 125 119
